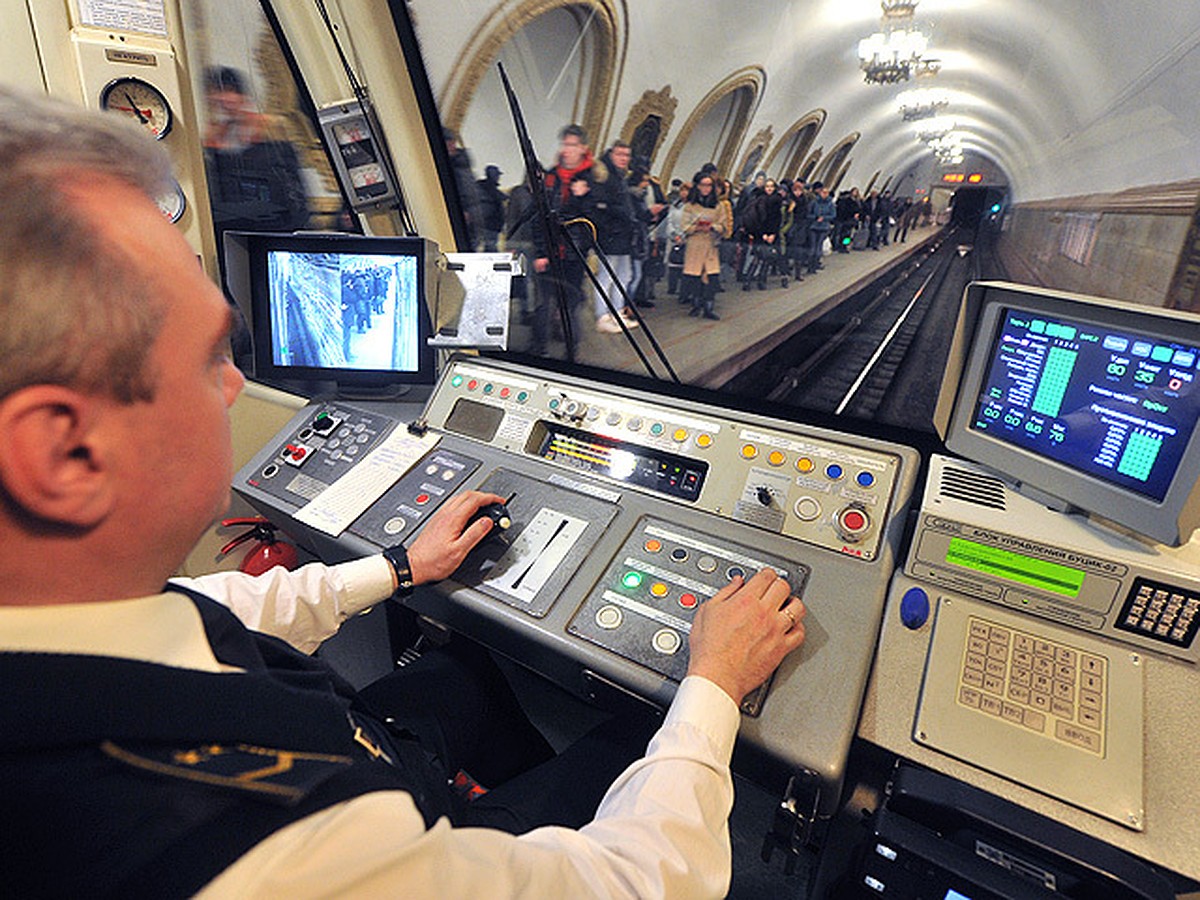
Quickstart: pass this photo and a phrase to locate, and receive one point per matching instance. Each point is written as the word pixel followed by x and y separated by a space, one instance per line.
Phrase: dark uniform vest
pixel 130 779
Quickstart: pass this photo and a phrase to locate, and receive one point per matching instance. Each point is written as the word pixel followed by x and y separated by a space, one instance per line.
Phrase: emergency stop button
pixel 852 522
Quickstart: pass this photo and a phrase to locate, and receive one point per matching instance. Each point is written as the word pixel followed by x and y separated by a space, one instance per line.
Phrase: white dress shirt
pixel 660 831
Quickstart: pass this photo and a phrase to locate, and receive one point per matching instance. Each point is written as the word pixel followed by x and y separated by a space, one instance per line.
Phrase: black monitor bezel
pixel 346 381
pixel 1168 520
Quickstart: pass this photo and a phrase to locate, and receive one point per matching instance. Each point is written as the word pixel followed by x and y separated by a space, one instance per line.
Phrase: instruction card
pixel 346 499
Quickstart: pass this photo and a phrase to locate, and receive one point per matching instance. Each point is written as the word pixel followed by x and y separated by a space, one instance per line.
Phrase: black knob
pixel 764 495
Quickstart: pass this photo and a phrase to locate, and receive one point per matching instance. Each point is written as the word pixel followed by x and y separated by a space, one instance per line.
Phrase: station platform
pixel 708 353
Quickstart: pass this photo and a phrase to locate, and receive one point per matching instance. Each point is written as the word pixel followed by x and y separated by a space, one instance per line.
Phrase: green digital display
pixel 1028 570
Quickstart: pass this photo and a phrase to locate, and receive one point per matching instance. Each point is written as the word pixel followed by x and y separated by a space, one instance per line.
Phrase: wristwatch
pixel 397 556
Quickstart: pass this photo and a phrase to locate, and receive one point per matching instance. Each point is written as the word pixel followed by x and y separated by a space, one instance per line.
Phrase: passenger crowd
pixel 631 233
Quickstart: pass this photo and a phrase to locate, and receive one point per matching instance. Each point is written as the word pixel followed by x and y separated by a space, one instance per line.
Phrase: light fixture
pixel 895 53
pixel 922 103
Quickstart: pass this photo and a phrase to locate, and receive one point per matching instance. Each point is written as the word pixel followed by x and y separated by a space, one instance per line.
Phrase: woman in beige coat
pixel 705 222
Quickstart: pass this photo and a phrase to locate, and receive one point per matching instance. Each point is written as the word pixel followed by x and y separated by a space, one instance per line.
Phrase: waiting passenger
pixel 704 223
pixel 616 222
pixel 821 215
pixel 150 743
pixel 254 181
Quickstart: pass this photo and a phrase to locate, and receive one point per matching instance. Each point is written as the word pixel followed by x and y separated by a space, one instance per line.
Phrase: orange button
pixel 704 440
pixel 658 589
pixel 652 545
pixel 749 451
pixel 777 458
pixel 804 464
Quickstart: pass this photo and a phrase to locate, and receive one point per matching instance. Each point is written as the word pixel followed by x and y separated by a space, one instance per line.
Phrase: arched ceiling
pixel 1060 98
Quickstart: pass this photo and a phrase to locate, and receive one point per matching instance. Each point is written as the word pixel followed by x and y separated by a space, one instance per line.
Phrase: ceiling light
pixel 895 53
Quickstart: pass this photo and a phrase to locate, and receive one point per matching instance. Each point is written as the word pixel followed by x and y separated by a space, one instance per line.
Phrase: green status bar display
pixel 1028 570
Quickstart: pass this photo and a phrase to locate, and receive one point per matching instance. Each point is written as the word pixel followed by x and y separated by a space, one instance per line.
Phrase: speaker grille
pixel 972 487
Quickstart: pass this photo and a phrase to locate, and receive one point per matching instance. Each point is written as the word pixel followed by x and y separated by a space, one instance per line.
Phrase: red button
pixel 688 601
pixel 854 520
pixel 472 384
pixel 422 499
pixel 504 392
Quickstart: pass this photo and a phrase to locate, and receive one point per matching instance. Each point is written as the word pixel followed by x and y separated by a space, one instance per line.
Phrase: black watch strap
pixel 398 557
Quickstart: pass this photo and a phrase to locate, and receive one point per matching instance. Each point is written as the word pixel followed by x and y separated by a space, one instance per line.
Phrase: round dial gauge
pixel 172 202
pixel 140 101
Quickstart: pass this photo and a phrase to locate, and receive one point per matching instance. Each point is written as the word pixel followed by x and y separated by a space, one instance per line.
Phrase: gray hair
pixel 73 311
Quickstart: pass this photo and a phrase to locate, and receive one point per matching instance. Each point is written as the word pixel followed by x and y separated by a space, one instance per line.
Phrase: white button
pixel 807 509
pixel 666 641
pixel 609 616
pixel 394 525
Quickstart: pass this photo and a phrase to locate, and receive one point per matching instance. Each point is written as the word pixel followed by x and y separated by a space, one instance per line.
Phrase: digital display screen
pixel 344 310
pixel 1030 570
pixel 1110 403
pixel 666 473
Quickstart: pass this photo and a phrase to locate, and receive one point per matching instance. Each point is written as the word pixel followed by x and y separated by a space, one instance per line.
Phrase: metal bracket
pixel 472 300
pixel 794 819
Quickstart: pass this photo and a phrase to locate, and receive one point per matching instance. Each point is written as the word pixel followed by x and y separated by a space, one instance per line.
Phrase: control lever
pixel 497 512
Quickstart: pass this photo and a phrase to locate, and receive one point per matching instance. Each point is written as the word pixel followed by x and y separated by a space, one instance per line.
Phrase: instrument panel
pixel 628 510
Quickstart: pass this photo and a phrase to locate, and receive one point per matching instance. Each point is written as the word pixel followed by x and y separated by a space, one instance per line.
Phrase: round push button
pixel 421 499
pixel 658 589
pixel 807 509
pixel 735 572
pixel 632 580
pixel 865 479
pixel 652 545
pixel 680 435
pixel 706 564
pixel 704 441
pixel 749 451
pixel 679 554
pixel 394 525
pixel 777 457
pixel 914 608
pixel 666 641
pixel 804 465
pixel 688 600
pixel 609 617
pixel 834 472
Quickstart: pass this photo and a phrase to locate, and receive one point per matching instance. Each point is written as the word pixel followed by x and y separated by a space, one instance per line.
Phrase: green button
pixel 488 388
pixel 656 429
pixel 632 580
pixel 522 396
pixel 456 381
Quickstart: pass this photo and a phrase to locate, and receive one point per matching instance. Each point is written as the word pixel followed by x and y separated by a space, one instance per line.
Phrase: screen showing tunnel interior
pixel 356 311
pixel 1114 404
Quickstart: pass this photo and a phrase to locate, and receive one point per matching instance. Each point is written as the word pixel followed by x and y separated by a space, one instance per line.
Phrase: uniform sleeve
pixel 661 831
pixel 303 607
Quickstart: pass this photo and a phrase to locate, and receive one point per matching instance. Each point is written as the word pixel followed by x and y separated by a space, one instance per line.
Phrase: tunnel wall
pixel 1135 245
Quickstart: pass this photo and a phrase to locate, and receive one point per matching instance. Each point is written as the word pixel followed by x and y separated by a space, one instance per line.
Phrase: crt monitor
pixel 1082 402
pixel 342 309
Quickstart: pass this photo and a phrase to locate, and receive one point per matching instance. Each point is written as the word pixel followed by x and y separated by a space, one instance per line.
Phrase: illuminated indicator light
pixel 804 464
pixel 658 589
pixel 680 435
pixel 865 479
pixel 456 381
pixel 704 440
pixel 632 580
pixel 749 451
pixel 421 499
pixel 975 178
pixel 522 396
pixel 688 601
pixel 504 392
pixel 656 429
pixel 652 545
pixel 777 458
pixel 554 403
pixel 472 384
pixel 833 471
pixel 488 388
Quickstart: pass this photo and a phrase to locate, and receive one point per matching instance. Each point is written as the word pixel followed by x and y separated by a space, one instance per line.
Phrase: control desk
pixel 628 510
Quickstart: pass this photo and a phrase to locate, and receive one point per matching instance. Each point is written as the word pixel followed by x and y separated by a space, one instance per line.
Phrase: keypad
pixel 1047 687
pixel 1161 611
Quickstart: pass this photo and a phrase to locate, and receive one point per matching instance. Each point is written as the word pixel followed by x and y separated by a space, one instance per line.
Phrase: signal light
pixel 995 207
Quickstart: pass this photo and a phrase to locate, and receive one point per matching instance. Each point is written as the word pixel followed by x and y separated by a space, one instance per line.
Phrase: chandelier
pixel 923 103
pixel 895 53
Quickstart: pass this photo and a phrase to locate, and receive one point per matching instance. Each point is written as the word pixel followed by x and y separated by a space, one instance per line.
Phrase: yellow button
pixel 804 464
pixel 680 435
pixel 777 458
pixel 704 440
pixel 658 589
pixel 749 451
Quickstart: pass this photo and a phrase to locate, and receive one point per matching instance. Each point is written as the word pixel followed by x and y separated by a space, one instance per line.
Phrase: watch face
pixel 140 101
pixel 172 202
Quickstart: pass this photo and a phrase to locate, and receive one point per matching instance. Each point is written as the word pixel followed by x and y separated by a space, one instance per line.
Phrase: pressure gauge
pixel 172 202
pixel 140 101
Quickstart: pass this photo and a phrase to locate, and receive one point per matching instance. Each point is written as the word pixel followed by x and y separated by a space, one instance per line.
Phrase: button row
pixel 704 562
pixel 488 387
pixel 665 641
pixel 806 465
pixel 632 580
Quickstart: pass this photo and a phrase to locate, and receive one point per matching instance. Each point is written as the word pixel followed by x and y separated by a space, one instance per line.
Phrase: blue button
pixel 914 608
pixel 865 479
pixel 735 572
pixel 833 471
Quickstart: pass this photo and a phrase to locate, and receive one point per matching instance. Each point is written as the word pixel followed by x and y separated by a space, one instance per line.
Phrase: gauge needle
pixel 137 112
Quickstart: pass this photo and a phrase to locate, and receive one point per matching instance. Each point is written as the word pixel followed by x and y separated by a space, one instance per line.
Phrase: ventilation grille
pixel 972 487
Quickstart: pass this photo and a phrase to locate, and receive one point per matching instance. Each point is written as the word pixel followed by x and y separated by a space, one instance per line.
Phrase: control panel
pixel 628 509
pixel 804 485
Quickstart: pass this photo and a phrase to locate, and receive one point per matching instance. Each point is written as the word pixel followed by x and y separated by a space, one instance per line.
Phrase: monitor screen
pixel 1091 402
pixel 345 309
